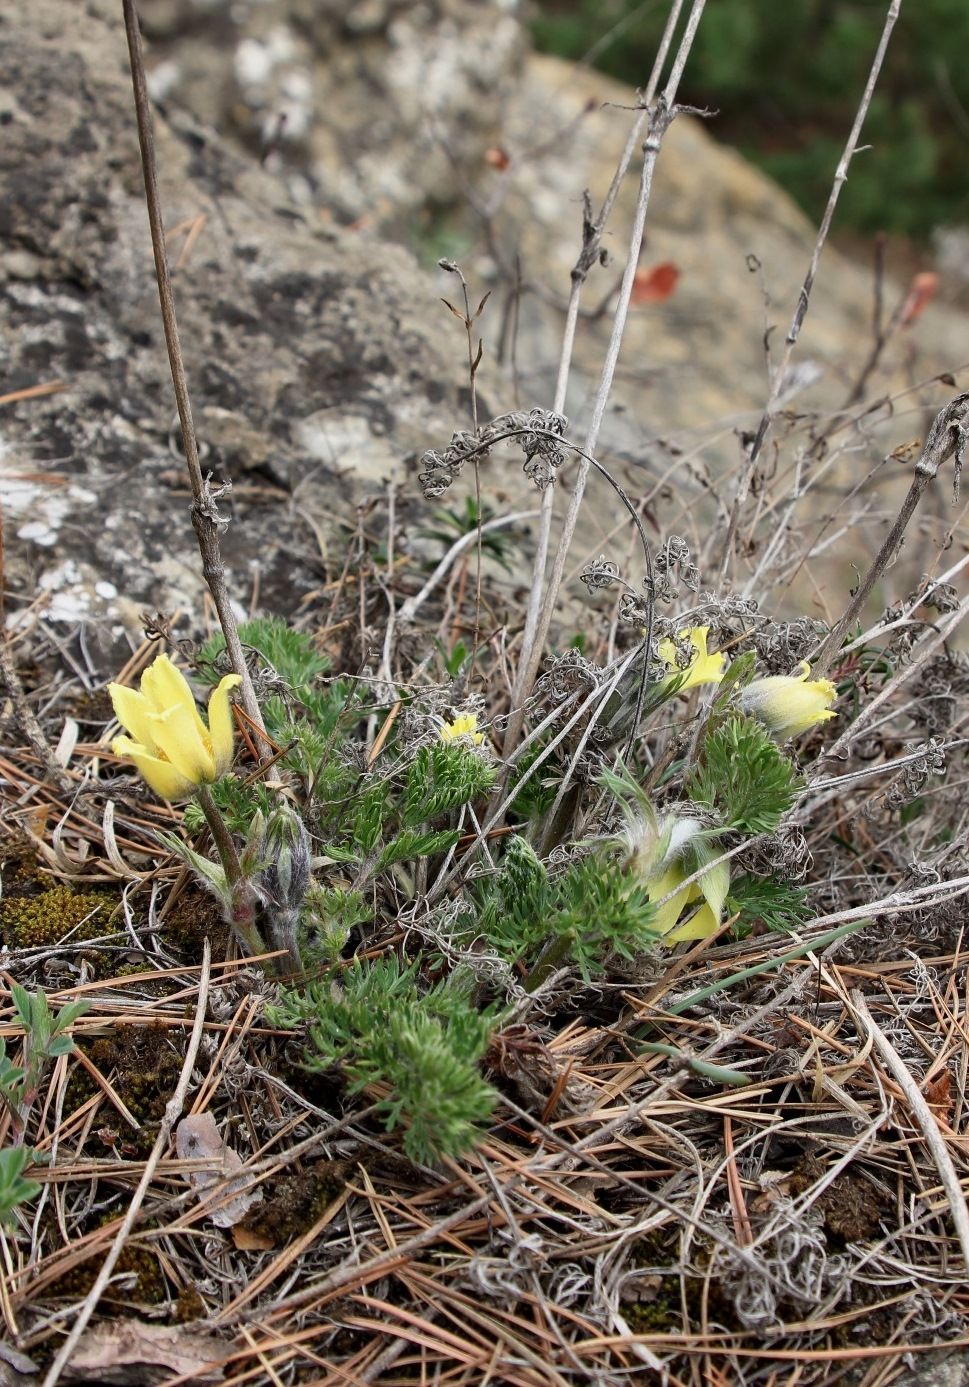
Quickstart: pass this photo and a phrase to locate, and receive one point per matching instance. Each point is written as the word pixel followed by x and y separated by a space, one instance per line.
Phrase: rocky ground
pixel 312 167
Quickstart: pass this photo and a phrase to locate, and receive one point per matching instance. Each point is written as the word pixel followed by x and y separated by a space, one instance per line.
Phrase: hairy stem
pixel 242 911
pixel 556 951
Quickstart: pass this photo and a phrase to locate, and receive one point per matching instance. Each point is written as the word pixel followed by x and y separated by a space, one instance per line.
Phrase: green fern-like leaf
pixel 290 653
pixel 584 914
pixel 744 776
pixel 414 843
pixel 376 1025
pixel 765 900
pixel 443 776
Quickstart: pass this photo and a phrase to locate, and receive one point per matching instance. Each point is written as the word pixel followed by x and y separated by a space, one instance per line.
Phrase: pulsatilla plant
pixel 357 836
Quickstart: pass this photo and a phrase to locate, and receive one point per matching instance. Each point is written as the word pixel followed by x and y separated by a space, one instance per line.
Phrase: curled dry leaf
pixel 128 1351
pixel 655 284
pixel 921 292
pixel 197 1138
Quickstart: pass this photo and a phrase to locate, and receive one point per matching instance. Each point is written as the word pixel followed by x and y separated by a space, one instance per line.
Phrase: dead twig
pixel 207 521
pixel 926 1119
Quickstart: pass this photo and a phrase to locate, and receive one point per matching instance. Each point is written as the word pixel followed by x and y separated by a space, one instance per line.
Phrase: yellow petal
pixel 789 704
pixel 464 725
pixel 177 736
pixel 703 667
pixel 699 926
pixel 667 914
pixel 711 887
pixel 133 711
pixel 161 776
pixel 221 725
pixel 166 687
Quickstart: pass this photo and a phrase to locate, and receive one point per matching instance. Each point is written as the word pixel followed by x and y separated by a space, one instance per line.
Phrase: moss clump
pixel 143 1065
pixel 297 1201
pixel 194 918
pixel 32 922
pixel 850 1206
pixel 189 1306
pixel 148 1288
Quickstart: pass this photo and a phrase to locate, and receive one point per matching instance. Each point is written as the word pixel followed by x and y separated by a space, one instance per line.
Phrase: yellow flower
pixel 172 747
pixel 464 725
pixel 702 669
pixel 789 703
pixel 675 849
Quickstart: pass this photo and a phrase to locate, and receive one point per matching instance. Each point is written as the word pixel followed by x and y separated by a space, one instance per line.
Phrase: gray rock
pixel 937 1370
pixel 375 110
pixel 312 355
pixel 320 359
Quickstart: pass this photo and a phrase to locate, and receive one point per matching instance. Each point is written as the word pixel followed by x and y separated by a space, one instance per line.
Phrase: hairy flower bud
pixel 286 876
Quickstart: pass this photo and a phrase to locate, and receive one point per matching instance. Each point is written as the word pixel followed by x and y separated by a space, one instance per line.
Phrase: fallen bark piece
pixel 197 1138
pixel 127 1351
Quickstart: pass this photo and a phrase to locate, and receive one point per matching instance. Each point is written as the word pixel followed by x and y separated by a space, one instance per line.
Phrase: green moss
pixel 142 1066
pixel 31 922
pixel 660 1316
pixel 669 1303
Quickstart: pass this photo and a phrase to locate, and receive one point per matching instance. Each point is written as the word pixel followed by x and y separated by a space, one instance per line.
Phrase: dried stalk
pixel 592 230
pixel 921 653
pixel 926 1120
pixel 206 520
pixel 800 312
pixel 410 607
pixel 948 435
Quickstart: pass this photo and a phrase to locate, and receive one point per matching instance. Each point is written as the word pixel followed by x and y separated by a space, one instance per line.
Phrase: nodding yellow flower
pixel 681 851
pixel 789 703
pixel 169 743
pixel 702 669
pixel 464 725
pixel 663 853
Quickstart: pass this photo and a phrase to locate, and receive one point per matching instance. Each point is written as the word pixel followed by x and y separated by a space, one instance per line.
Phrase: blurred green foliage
pixel 786 80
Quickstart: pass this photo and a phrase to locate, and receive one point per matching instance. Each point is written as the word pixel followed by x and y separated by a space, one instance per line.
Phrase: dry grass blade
pixel 927 1121
pixel 173 1111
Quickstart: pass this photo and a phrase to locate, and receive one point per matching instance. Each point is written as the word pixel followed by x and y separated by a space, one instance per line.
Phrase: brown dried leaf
pixel 197 1138
pixel 938 1095
pixel 655 285
pixel 128 1351
pixel 921 292
pixel 250 1240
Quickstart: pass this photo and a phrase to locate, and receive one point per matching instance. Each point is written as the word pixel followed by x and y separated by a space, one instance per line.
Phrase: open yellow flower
pixel 464 725
pixel 789 703
pixel 169 743
pixel 703 667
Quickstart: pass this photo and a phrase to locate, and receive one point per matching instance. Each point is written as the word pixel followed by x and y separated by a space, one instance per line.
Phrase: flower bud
pixel 285 877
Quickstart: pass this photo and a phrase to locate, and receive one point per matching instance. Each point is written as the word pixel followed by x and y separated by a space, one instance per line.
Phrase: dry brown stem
pixel 206 520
